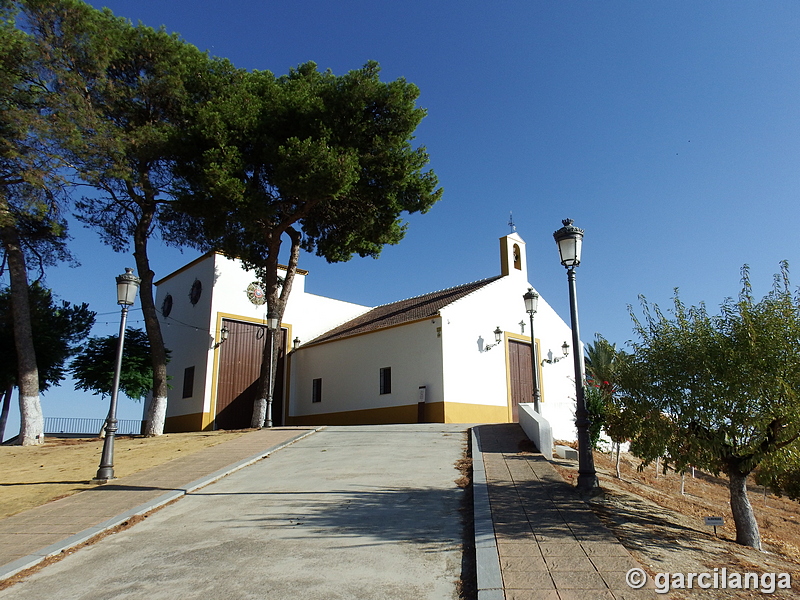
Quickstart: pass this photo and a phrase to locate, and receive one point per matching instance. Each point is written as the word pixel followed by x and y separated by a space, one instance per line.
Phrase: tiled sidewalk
pixel 550 544
pixel 29 537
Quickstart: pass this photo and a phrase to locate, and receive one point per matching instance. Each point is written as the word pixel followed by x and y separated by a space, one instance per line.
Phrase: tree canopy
pixel 328 155
pixel 127 96
pixel 93 368
pixel 720 392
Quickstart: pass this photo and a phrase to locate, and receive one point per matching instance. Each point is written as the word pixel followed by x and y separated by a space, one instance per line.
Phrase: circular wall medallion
pixel 255 293
pixel 196 291
pixel 166 306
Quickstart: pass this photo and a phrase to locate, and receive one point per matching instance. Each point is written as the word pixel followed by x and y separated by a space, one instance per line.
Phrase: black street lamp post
pixel 531 299
pixel 127 286
pixel 569 239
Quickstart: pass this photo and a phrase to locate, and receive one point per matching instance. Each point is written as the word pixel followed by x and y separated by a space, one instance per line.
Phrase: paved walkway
pixel 361 509
pixel 549 544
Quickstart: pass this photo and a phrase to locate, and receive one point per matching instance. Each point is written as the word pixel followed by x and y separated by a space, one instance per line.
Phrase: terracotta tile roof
pixel 403 311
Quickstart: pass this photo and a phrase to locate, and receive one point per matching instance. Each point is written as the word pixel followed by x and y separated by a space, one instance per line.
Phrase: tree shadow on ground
pixel 376 515
pixel 554 506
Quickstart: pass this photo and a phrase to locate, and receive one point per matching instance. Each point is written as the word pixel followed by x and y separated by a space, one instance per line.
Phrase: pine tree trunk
pixel 266 384
pixel 157 409
pixel 260 403
pixel 276 303
pixel 746 526
pixel 156 417
pixel 30 409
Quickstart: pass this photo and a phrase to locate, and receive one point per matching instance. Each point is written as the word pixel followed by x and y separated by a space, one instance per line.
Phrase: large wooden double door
pixel 239 367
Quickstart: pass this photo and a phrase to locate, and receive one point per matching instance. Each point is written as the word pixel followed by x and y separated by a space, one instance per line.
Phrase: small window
pixel 316 390
pixel 188 382
pixel 386 380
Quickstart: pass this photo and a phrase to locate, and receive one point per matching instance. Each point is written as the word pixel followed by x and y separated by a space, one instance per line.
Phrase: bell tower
pixel 513 262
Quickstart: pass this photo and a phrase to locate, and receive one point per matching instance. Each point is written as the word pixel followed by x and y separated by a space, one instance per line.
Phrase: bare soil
pixel 33 475
pixel 665 529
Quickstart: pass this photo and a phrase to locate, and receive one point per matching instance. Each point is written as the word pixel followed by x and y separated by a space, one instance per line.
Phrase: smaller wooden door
pixel 521 375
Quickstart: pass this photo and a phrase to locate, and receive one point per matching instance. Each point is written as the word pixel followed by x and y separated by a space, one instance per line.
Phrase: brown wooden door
pixel 519 356
pixel 239 367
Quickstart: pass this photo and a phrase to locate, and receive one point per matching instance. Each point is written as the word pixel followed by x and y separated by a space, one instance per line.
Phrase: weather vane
pixel 511 222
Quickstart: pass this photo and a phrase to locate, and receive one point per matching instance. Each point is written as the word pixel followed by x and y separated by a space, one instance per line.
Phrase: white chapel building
pixel 431 358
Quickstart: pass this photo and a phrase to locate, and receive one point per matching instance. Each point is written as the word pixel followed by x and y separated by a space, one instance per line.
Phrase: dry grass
pixel 34 475
pixel 665 530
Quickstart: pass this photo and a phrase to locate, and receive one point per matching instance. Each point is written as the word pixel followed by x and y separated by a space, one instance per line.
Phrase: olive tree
pixel 720 391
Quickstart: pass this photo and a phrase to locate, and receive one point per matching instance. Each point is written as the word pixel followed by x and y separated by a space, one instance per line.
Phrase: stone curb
pixel 487 559
pixel 26 562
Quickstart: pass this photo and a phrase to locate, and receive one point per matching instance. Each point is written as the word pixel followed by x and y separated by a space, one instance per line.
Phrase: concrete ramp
pixel 366 513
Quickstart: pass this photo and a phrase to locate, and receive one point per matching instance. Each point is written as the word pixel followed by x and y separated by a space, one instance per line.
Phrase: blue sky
pixel 669 131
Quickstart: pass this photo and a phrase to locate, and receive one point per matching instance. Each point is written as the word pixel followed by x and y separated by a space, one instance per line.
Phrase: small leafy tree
pixel 58 330
pixel 595 406
pixel 721 392
pixel 603 361
pixel 93 368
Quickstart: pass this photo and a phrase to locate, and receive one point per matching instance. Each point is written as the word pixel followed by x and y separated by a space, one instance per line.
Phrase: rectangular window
pixel 386 380
pixel 188 382
pixel 316 390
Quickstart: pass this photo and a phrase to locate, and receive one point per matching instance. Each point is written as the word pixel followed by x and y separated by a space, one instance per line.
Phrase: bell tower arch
pixel 513 259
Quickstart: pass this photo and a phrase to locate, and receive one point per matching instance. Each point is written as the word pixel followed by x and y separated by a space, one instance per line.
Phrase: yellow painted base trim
pixel 191 422
pixel 435 412
pixel 460 412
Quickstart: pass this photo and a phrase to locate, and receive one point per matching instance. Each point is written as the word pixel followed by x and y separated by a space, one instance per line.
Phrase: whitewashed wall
pixel 473 375
pixel 558 380
pixel 188 333
pixel 350 368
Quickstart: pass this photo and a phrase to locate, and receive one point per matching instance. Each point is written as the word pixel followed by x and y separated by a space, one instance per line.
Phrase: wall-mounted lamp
pixel 296 343
pixel 564 349
pixel 498 337
pixel 223 335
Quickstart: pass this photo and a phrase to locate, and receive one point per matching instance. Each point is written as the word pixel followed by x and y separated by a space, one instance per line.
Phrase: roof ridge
pixel 485 280
pixel 404 311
